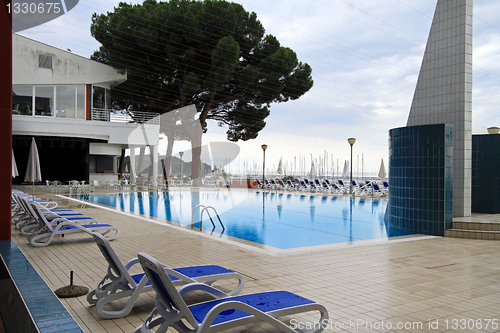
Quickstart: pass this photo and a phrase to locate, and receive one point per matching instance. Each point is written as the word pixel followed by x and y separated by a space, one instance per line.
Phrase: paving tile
pixel 409 281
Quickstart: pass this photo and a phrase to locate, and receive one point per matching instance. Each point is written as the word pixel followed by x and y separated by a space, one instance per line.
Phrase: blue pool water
pixel 277 219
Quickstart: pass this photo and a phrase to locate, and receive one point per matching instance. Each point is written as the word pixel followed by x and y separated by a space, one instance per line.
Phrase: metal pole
pixel 264 147
pixel 351 142
pixel 264 168
pixel 350 188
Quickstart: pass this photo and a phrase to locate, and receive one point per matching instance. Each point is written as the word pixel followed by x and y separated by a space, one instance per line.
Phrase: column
pixel 132 164
pixel 154 153
pixel 5 119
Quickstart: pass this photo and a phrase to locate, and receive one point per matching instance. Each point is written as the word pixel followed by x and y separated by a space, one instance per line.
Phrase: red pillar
pixel 5 118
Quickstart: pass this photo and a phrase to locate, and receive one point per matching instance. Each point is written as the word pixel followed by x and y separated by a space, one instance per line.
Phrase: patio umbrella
pixel 15 173
pixel 382 173
pixel 33 172
pixel 280 168
pixel 313 170
pixel 345 173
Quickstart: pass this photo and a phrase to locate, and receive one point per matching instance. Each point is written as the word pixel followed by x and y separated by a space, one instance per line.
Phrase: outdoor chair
pixel 379 191
pixel 49 185
pixel 62 226
pixel 57 186
pixel 111 184
pixel 28 222
pixel 223 313
pixel 93 184
pixel 386 185
pixel 118 283
pixel 46 203
pixel 342 186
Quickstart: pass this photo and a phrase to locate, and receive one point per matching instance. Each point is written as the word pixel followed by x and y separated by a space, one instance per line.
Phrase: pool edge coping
pixel 261 248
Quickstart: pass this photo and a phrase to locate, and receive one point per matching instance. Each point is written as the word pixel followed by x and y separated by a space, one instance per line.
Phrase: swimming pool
pixel 277 219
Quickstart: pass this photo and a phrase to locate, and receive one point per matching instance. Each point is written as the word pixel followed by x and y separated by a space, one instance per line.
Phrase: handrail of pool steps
pixel 205 208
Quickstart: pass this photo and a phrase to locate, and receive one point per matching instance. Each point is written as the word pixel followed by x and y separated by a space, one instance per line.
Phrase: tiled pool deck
pixel 442 284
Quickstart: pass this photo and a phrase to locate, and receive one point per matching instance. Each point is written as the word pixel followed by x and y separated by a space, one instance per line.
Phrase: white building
pixel 63 100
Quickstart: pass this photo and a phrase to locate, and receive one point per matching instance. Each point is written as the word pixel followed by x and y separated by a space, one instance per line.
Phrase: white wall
pixel 67 68
pixel 124 134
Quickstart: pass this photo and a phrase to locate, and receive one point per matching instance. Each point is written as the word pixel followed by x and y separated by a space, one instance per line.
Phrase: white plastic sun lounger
pixel 225 312
pixel 119 283
pixel 61 226
pixel 29 223
pixel 47 203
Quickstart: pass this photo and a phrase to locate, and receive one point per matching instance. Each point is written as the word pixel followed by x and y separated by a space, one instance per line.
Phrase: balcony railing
pixel 137 117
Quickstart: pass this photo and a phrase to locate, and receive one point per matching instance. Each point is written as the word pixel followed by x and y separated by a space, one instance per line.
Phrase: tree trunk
pixel 120 165
pixel 195 137
pixel 151 162
pixel 142 151
pixel 168 156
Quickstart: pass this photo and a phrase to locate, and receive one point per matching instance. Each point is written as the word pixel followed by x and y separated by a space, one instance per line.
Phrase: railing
pixel 137 117
pixel 205 208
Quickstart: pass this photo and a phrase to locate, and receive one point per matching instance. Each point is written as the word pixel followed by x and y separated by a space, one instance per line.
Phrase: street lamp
pixel 180 154
pixel 351 142
pixel 264 147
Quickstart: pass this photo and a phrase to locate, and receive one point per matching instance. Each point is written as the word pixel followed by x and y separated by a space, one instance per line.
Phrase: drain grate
pixel 423 262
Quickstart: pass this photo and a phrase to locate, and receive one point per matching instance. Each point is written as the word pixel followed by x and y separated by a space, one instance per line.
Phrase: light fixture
pixel 264 147
pixel 351 142
pixel 493 130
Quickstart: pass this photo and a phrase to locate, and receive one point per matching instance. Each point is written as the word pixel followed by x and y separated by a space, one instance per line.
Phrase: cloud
pixel 365 59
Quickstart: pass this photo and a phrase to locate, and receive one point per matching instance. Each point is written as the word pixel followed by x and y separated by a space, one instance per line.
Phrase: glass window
pixel 65 101
pixel 22 100
pixel 45 61
pixel 99 98
pixel 81 101
pixel 44 100
pixel 108 99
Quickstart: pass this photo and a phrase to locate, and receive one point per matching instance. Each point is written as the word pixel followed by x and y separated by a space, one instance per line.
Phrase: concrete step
pixel 472 234
pixel 483 226
pixel 474 230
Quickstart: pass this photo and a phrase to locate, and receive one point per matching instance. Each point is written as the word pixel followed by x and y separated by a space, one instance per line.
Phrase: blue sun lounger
pixel 47 203
pixel 28 224
pixel 118 283
pixel 62 226
pixel 223 313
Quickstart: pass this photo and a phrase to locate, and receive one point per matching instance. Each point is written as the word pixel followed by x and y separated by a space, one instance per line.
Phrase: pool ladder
pixel 206 208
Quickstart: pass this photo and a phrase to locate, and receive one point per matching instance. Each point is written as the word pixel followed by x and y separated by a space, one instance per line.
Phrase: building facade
pixel 64 101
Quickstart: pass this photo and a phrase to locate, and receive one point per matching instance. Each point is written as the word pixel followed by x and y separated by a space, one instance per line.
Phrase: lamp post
pixel 264 147
pixel 351 142
pixel 180 154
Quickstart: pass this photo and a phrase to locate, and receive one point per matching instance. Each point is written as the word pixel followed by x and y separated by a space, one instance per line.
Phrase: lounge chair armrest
pixel 58 220
pixel 230 305
pixel 178 275
pixel 131 263
pixel 202 287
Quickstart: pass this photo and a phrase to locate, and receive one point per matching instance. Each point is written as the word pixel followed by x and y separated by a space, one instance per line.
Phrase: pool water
pixel 277 219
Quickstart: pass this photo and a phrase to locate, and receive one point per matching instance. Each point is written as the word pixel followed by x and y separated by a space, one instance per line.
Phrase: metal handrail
pixel 205 208
pixel 138 117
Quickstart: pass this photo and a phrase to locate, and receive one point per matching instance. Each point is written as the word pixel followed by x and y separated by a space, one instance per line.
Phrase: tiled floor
pixel 431 285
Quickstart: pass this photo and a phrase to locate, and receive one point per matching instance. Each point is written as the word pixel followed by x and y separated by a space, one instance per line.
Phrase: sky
pixel 365 57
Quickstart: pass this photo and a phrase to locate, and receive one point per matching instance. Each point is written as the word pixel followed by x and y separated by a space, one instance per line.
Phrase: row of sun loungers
pixel 119 286
pixel 226 311
pixel 41 224
pixel 327 186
